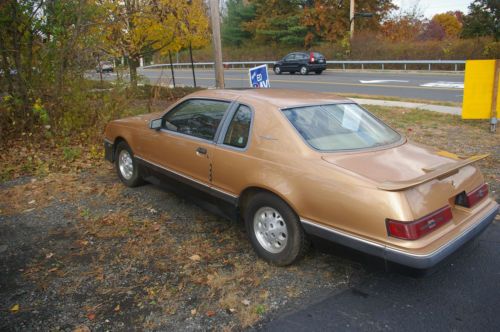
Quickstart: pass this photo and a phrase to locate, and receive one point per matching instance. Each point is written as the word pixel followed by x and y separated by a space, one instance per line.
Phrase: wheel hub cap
pixel 125 164
pixel 270 230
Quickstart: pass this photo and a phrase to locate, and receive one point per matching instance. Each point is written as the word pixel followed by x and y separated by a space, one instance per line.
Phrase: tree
pixel 138 28
pixel 483 19
pixel 46 37
pixel 445 25
pixel 450 24
pixel 329 19
pixel 277 21
pixel 404 25
pixel 233 26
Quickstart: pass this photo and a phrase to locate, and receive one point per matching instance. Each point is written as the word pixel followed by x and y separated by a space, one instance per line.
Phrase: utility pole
pixel 219 70
pixel 351 20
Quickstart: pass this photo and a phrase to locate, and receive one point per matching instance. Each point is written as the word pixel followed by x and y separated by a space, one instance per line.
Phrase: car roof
pixel 280 98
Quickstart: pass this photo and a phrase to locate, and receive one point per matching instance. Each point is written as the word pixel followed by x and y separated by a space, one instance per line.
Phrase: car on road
pixel 301 62
pixel 105 67
pixel 291 164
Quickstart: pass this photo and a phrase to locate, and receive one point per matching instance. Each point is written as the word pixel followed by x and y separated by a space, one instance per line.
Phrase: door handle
pixel 201 150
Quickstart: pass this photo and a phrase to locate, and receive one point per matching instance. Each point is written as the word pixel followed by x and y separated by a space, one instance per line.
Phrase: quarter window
pixel 239 128
pixel 196 117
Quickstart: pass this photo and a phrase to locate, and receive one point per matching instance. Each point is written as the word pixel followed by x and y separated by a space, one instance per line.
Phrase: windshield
pixel 340 127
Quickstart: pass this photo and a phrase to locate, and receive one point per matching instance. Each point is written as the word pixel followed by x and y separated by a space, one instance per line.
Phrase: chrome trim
pixel 419 261
pixel 108 141
pixel 185 176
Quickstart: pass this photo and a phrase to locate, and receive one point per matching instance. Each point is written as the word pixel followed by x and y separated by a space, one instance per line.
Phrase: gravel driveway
pixel 83 251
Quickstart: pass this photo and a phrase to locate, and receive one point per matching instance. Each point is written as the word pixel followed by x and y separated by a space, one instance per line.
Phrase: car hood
pixel 406 162
pixel 139 120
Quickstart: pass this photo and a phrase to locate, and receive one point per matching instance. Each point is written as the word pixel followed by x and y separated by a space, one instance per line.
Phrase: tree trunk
pixel 133 64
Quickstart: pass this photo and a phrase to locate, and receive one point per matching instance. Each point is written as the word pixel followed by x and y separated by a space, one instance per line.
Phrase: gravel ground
pixel 83 251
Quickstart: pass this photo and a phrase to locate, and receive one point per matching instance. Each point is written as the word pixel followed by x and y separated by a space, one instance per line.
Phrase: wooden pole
pixel 192 64
pixel 351 20
pixel 494 99
pixel 171 67
pixel 219 70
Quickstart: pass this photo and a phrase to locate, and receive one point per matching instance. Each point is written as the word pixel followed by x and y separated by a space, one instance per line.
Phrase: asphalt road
pixel 443 86
pixel 463 294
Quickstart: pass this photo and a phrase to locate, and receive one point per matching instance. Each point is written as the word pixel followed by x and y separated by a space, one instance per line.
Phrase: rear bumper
pixel 109 151
pixel 402 257
pixel 313 67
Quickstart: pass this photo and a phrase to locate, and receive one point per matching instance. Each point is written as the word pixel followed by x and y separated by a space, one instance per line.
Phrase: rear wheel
pixel 126 166
pixel 274 230
pixel 304 70
pixel 277 70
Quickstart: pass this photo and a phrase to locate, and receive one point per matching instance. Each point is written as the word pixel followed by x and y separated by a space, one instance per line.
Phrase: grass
pixel 408 100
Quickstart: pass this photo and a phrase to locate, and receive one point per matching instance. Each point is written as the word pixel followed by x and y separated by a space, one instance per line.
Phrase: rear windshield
pixel 340 127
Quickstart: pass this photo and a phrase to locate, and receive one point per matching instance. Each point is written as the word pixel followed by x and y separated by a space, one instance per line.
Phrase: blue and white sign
pixel 258 77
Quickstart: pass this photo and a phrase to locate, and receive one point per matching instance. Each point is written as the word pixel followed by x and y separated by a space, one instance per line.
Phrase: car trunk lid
pixel 401 167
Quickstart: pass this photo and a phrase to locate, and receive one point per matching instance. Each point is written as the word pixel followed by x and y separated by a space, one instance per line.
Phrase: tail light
pixel 418 228
pixel 311 57
pixel 468 200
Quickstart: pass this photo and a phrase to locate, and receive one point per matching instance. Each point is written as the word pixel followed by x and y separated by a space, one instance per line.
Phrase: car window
pixel 196 117
pixel 239 128
pixel 318 55
pixel 340 127
pixel 303 56
pixel 290 57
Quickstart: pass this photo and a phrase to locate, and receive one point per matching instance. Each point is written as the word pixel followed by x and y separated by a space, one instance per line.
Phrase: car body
pixel 301 62
pixel 255 152
pixel 105 67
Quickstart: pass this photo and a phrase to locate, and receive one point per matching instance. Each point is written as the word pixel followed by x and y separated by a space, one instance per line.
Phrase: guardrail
pixel 352 64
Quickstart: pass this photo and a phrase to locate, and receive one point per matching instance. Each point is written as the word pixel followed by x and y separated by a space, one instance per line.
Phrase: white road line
pixel 441 84
pixel 381 81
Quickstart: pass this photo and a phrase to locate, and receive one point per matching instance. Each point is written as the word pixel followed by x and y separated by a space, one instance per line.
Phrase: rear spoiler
pixel 439 173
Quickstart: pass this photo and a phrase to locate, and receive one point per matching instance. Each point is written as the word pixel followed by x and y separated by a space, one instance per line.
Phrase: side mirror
pixel 155 124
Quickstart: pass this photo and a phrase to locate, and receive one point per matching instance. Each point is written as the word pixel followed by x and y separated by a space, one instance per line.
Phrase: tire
pixel 304 70
pixel 274 230
pixel 126 166
pixel 318 72
pixel 277 70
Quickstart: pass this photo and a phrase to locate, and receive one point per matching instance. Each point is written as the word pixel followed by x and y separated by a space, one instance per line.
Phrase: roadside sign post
pixel 258 77
pixel 495 101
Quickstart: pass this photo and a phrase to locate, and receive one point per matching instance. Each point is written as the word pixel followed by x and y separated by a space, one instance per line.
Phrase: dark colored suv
pixel 302 62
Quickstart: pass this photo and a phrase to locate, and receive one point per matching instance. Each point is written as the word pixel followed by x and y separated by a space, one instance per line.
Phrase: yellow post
pixel 481 91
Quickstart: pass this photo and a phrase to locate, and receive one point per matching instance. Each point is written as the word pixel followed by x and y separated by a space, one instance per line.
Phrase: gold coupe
pixel 292 164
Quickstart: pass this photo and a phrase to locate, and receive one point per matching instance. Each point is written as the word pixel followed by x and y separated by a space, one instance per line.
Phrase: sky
pixel 431 7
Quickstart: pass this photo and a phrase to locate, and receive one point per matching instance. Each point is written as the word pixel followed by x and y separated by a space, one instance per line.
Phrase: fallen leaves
pixel 14 308
pixel 195 258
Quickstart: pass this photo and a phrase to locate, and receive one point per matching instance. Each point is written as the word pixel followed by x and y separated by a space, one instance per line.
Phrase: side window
pixel 303 56
pixel 239 128
pixel 290 57
pixel 196 117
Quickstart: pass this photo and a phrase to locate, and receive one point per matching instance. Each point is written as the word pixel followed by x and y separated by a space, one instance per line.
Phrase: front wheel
pixel 277 70
pixel 126 166
pixel 274 230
